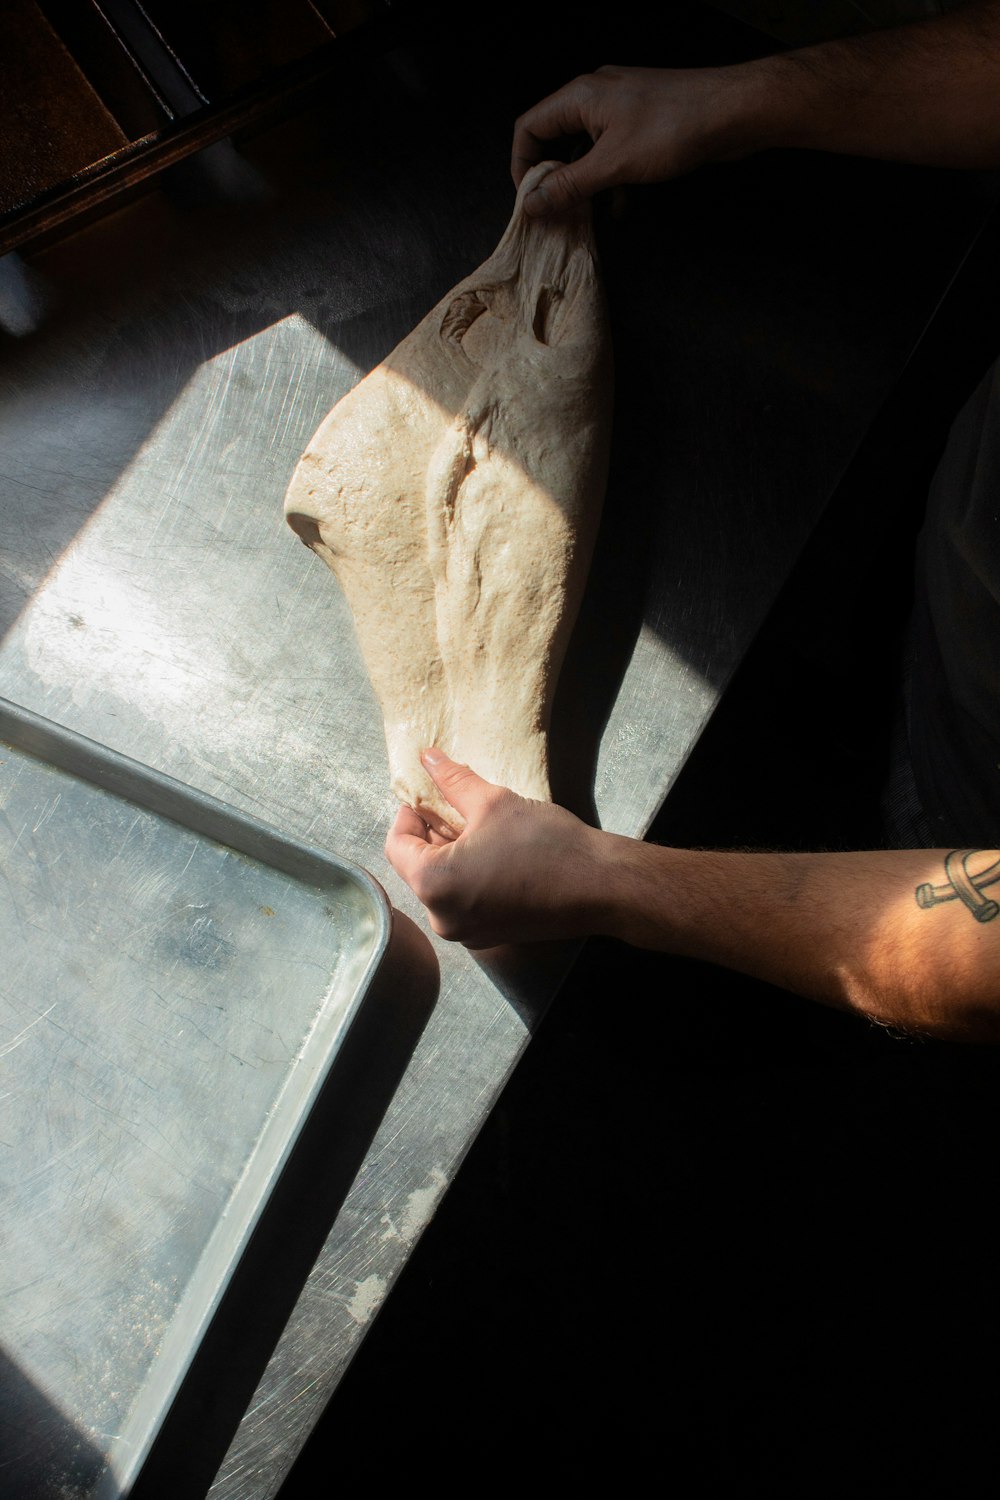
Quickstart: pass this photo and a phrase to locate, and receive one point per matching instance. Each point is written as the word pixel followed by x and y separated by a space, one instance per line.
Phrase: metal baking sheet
pixel 177 980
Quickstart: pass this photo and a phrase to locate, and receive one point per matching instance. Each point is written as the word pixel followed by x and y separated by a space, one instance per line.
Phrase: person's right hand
pixel 646 124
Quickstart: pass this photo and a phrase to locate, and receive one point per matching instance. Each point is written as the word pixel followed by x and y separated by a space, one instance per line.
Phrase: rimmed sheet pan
pixel 177 981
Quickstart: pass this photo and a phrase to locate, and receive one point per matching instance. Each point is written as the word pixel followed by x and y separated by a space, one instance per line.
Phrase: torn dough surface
pixel 456 491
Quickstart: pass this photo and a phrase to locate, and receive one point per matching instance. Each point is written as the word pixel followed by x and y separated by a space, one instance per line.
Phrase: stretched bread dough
pixel 455 492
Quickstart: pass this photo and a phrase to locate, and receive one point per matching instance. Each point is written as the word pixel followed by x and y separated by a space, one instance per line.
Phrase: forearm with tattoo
pixel 964 883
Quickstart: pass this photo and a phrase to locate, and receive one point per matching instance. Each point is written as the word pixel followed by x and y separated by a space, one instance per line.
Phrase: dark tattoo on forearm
pixel 968 888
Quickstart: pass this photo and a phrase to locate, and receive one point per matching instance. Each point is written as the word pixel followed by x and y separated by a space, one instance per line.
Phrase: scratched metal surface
pixel 171 363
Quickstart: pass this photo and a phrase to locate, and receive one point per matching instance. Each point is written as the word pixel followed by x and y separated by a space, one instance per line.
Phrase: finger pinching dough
pixel 456 491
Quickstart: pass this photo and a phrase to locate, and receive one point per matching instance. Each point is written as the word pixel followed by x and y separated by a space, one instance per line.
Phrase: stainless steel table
pixel 168 364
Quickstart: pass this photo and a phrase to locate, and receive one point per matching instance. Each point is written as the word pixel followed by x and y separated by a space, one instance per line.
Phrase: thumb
pixel 462 787
pixel 567 187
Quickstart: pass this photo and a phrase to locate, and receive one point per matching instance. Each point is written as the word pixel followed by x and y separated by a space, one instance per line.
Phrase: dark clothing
pixel 952 715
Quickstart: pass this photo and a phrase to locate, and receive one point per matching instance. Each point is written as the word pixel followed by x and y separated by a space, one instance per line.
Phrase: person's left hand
pixel 519 870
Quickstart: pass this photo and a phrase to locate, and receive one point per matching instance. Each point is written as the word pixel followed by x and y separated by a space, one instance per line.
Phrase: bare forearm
pixel 844 929
pixel 910 938
pixel 927 92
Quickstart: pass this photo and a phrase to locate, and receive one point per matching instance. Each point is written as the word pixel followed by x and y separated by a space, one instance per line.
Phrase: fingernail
pixel 538 203
pixel 433 756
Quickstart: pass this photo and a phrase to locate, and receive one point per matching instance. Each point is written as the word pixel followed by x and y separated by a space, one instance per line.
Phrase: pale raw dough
pixel 455 492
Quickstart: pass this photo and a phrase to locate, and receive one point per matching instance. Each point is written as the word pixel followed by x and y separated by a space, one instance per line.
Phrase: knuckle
pixel 571 190
pixel 454 775
pixel 508 804
pixel 438 890
pixel 596 83
pixel 423 886
pixel 443 924
pixel 448 923
pixel 451 773
pixel 445 927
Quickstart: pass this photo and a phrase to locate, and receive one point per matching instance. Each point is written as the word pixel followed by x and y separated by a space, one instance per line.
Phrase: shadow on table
pixel 41 1451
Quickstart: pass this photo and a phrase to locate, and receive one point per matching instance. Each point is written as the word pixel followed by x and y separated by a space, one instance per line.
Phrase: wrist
pixel 630 884
pixel 773 103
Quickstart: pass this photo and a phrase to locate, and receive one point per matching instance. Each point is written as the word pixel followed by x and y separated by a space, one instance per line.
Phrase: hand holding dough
pixel 456 491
